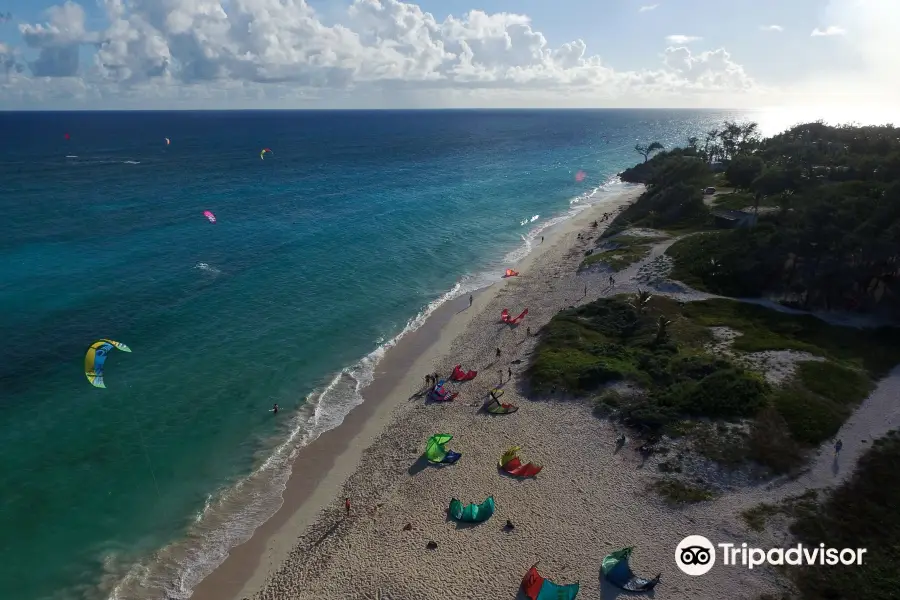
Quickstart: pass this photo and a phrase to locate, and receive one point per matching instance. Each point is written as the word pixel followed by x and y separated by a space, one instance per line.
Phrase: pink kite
pixel 460 375
pixel 208 214
pixel 505 318
pixel 580 175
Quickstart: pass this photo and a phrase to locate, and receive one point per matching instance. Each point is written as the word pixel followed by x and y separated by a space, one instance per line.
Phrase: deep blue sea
pixel 348 233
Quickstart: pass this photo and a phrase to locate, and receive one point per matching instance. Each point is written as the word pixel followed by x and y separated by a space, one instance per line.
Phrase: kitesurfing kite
pixel 505 318
pixel 95 359
pixel 209 215
pixel 472 513
pixel 617 571
pixel 460 375
pixel 580 175
pixel 66 135
pixel 511 464
pixel 168 141
pixel 262 153
pixel 511 273
pixel 436 451
pixel 495 407
pixel 439 394
pixel 536 587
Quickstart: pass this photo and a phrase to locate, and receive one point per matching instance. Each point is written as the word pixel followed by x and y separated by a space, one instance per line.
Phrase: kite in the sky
pixel 209 215
pixel 96 358
pixel 262 153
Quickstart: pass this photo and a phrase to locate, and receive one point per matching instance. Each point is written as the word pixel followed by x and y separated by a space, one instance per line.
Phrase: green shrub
pixel 810 418
pixel 839 384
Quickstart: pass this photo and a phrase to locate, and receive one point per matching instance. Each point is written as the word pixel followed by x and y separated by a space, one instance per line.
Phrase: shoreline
pixel 326 463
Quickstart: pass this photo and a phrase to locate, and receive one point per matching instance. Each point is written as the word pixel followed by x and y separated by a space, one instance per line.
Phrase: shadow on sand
pixel 610 592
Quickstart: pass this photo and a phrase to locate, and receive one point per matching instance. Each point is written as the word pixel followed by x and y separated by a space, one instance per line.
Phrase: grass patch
pixel 793 506
pixel 837 383
pixel 625 251
pixel 861 513
pixel 874 350
pixel 678 492
pixel 723 443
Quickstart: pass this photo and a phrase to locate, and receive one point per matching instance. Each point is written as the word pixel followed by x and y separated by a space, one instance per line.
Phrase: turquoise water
pixel 322 253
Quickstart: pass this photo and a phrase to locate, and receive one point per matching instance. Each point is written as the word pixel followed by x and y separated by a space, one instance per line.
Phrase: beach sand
pixel 588 501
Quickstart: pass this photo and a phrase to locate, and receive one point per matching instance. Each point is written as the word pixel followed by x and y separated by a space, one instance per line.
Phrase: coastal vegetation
pixel 829 234
pixel 620 252
pixel 665 354
pixel 861 513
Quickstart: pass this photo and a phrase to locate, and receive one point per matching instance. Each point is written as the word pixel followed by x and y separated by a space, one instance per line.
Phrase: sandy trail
pixel 588 501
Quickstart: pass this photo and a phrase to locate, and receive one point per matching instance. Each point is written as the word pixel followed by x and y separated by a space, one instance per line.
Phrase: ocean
pixel 347 235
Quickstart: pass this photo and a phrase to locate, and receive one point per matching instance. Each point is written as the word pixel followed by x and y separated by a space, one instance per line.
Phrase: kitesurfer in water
pixel 275 409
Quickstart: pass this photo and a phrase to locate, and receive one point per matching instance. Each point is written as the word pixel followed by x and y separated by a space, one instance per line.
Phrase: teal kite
pixel 472 513
pixel 617 571
pixel 536 587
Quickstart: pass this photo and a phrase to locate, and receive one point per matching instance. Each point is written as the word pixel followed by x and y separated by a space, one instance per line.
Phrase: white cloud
pixel 777 28
pixel 682 39
pixel 648 7
pixel 828 31
pixel 208 51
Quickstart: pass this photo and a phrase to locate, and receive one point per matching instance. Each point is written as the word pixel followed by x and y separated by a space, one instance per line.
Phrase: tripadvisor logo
pixel 696 555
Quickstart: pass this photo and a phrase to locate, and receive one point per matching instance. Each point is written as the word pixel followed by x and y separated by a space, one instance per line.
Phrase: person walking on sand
pixel 542 239
pixel 585 290
pixel 509 372
pixel 498 351
pixel 470 300
pixel 347 505
pixel 837 446
pixel 528 332
pixel 612 281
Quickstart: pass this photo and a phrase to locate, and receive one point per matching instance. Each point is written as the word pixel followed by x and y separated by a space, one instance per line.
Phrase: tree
pixel 692 142
pixel 646 151
pixel 743 170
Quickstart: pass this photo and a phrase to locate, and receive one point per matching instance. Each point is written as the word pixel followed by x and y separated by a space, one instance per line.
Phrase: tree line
pixel 831 235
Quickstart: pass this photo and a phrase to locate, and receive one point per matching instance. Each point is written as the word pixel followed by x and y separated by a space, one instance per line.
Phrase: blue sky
pixel 567 52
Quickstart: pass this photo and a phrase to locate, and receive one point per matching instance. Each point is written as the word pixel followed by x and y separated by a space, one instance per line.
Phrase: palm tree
pixel 661 328
pixel 640 301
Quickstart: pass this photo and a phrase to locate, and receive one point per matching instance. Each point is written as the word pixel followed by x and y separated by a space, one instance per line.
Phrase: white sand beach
pixel 588 500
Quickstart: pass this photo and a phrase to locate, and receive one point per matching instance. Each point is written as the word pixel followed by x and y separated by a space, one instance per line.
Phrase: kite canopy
pixel 511 464
pixel 494 406
pixel 511 273
pixel 168 141
pixel 95 359
pixel 437 453
pixel 504 316
pixel 472 513
pixel 262 153
pixel 536 587
pixel 439 394
pixel 458 374
pixel 617 571
pixel 209 215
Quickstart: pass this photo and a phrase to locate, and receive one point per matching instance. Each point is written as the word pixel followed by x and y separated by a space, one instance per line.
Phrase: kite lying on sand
pixel 511 464
pixel 511 273
pixel 536 587
pixel 504 316
pixel 459 375
pixel 95 359
pixel 436 451
pixel 439 394
pixel 472 513
pixel 617 571
pixel 495 407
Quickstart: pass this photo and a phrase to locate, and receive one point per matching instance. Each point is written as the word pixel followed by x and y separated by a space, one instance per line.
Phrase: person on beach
pixel 585 290
pixel 837 446
pixel 347 505
pixel 275 409
pixel 470 300
pixel 498 351
pixel 509 372
pixel 542 239
pixel 528 332
pixel 612 281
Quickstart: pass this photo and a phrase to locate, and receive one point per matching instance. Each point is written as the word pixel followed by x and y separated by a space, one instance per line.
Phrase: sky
pixel 834 55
